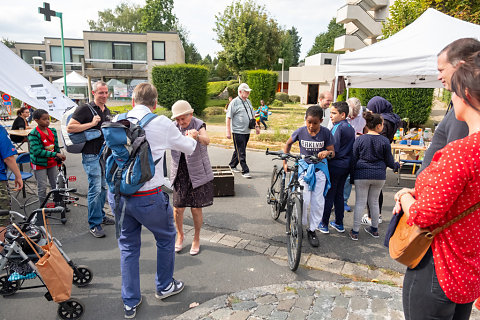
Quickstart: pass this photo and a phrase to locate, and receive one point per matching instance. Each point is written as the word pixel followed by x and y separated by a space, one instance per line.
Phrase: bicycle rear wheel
pixel 294 231
pixel 274 192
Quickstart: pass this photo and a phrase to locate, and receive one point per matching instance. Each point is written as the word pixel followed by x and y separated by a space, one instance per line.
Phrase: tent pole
pixel 335 89
pixel 348 93
pixel 89 88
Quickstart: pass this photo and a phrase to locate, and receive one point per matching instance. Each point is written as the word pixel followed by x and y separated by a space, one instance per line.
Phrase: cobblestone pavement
pixel 305 300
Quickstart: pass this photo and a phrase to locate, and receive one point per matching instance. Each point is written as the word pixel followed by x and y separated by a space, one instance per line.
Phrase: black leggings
pixel 380 204
pixel 423 298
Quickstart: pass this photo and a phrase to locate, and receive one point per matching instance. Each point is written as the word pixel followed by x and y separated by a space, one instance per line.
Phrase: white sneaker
pixel 247 175
pixel 366 220
pixel 380 219
pixel 235 170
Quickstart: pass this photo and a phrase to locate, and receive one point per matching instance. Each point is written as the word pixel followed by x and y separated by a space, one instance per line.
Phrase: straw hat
pixel 180 108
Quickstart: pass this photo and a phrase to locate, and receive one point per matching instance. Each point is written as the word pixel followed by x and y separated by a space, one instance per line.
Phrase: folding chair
pixel 23 158
pixel 402 162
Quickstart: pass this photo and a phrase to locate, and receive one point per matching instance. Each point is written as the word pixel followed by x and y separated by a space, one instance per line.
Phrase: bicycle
pixel 288 198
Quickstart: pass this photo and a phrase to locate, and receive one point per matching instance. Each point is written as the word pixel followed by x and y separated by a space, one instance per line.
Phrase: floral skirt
pixel 183 193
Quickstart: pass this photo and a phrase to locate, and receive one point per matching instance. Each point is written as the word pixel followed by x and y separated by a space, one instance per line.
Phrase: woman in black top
pixel 20 123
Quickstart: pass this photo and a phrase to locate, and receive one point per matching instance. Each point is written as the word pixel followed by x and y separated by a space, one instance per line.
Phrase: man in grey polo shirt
pixel 239 113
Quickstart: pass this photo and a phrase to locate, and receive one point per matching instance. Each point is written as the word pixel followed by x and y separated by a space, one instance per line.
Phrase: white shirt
pixel 326 118
pixel 162 134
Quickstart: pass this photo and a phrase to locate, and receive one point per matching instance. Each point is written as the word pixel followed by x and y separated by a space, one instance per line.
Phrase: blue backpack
pixel 127 155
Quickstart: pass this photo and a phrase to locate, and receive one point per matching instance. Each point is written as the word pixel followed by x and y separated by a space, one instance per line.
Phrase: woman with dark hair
pixel 391 122
pixel 20 123
pixel 383 107
pixel 447 280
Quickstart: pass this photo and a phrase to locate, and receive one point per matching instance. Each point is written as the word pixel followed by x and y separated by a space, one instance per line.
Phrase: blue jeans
pixel 155 213
pixel 347 190
pixel 97 189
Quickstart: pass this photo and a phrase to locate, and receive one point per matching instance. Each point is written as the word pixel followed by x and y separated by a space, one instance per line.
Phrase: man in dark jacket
pixel 450 129
pixel 82 119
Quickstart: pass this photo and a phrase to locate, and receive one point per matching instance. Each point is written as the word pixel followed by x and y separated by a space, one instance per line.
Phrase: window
pixel 27 55
pixel 327 61
pixel 158 50
pixel 101 50
pixel 56 54
pixel 77 54
pixel 139 50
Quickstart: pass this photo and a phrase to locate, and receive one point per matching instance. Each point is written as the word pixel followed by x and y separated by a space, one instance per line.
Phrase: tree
pixel 297 44
pixel 250 39
pixel 158 16
pixel 404 12
pixel 324 41
pixel 8 43
pixel 286 51
pixel 124 18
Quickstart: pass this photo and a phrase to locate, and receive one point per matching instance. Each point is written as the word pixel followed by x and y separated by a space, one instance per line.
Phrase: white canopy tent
pixel 73 80
pixel 21 81
pixel 408 59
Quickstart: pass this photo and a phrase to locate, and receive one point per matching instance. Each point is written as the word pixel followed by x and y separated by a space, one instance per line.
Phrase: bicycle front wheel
pixel 274 192
pixel 294 231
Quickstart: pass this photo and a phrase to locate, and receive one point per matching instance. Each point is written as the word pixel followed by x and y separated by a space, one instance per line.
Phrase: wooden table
pixel 406 147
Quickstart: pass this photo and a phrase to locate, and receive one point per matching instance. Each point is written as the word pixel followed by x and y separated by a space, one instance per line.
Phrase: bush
pixel 233 89
pixel 412 103
pixel 215 88
pixel 263 84
pixel 277 103
pixel 217 103
pixel 161 111
pixel 181 82
pixel 294 98
pixel 213 111
pixel 282 96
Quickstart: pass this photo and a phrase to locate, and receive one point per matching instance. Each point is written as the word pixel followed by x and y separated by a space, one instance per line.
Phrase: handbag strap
pixel 457 218
pixel 47 227
pixel 29 241
pixel 246 109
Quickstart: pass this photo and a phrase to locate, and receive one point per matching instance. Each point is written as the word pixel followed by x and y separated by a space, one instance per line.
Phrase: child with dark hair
pixel 44 150
pixel 372 155
pixel 338 167
pixel 313 140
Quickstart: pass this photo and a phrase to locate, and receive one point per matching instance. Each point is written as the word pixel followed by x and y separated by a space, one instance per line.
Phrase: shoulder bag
pixel 408 244
pixel 52 266
pixel 251 121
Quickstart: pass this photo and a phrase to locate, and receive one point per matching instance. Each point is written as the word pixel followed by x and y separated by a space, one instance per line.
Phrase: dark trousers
pixel 380 204
pixel 423 298
pixel 338 176
pixel 240 154
pixel 262 120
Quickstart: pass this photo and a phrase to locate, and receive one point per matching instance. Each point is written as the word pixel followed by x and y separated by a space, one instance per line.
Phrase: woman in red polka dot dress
pixel 447 280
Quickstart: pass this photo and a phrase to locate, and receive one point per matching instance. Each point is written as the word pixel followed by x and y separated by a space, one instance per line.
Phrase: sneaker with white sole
pixel 97 232
pixel 175 287
pixel 323 228
pixel 366 220
pixel 338 227
pixel 370 231
pixel 234 169
pixel 131 312
pixel 247 175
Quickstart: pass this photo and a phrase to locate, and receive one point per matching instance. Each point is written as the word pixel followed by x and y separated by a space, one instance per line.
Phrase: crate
pixel 223 181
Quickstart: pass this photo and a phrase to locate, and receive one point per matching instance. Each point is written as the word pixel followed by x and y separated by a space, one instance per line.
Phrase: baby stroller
pixel 19 256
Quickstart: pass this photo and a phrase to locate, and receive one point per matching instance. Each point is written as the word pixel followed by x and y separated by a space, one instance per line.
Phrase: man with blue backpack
pixel 126 170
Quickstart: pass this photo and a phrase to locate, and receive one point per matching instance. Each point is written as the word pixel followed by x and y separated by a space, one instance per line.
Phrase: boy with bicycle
pixel 314 140
pixel 44 149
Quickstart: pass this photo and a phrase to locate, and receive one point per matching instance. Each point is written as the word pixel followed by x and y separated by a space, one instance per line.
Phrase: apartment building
pixel 126 57
pixel 363 23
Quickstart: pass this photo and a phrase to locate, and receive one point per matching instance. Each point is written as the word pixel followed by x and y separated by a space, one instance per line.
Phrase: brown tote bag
pixel 409 244
pixel 52 267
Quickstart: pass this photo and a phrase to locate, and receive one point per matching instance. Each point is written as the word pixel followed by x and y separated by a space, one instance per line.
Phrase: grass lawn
pixel 281 123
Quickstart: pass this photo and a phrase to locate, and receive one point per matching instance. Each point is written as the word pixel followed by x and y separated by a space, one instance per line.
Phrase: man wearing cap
pixel 150 206
pixel 239 113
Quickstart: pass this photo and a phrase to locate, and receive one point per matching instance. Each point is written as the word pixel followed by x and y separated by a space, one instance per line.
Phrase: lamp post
pixel 48 14
pixel 280 60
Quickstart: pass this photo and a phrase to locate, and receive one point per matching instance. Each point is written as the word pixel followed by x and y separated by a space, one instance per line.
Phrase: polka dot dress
pixel 444 190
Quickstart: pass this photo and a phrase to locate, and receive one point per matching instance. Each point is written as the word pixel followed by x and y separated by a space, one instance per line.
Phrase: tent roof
pixel 20 80
pixel 73 79
pixel 115 82
pixel 408 59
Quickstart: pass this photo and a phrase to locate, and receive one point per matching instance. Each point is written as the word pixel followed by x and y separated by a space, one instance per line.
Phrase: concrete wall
pixel 301 77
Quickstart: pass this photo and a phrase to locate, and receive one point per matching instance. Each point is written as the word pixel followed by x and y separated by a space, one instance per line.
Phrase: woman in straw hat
pixel 192 175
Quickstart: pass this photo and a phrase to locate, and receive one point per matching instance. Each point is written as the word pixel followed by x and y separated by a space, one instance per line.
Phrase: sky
pixel 21 21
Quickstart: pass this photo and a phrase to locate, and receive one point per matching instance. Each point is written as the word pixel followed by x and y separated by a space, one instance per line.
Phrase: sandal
pixel 178 247
pixel 194 252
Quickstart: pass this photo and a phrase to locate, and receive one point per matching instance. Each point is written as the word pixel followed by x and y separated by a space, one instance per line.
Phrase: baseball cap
pixel 244 87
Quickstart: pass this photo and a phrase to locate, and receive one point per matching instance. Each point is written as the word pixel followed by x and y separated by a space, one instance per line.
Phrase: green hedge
pixel 294 98
pixel 282 96
pixel 263 84
pixel 233 89
pixel 412 103
pixel 181 82
pixel 215 88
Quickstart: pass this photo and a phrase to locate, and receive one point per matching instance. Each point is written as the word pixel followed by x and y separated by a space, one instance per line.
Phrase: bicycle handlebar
pixel 286 156
pixel 4 212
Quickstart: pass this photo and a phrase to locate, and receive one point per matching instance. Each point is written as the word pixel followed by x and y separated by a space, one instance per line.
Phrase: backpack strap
pixel 146 119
